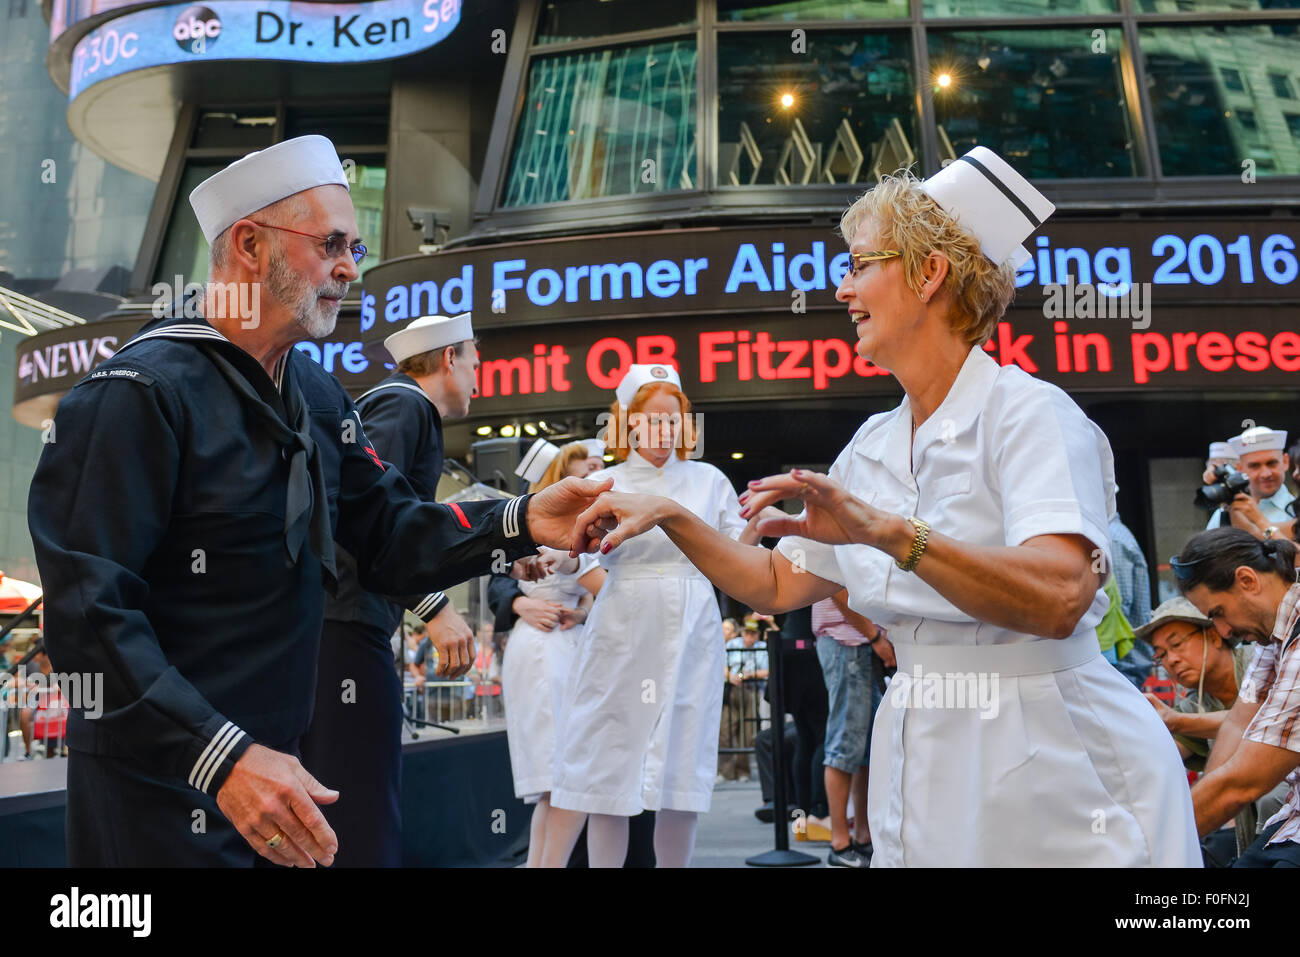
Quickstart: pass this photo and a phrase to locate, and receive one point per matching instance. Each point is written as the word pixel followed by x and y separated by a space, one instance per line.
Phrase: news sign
pixel 233 30
pixel 777 358
pixel 1140 264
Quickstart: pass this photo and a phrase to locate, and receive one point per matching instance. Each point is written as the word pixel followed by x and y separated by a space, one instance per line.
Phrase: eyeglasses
pixel 334 242
pixel 1174 644
pixel 859 260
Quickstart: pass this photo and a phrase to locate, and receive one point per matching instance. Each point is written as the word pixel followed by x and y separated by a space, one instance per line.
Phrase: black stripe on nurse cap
pixel 1006 190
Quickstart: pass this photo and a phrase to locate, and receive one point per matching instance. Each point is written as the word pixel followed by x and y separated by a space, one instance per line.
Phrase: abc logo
pixel 196 29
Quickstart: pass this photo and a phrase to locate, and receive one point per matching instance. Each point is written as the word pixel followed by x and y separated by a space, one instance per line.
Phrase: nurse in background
pixel 971 522
pixel 535 664
pixel 643 703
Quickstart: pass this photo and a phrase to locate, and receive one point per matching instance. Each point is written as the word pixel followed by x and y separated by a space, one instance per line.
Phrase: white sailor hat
pixel 262 178
pixel 992 202
pixel 595 447
pixel 1221 450
pixel 639 375
pixel 1258 439
pixel 428 333
pixel 535 461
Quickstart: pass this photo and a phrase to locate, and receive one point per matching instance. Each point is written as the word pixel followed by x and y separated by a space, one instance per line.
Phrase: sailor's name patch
pixel 134 375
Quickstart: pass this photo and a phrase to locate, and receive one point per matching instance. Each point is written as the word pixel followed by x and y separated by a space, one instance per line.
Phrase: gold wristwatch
pixel 918 544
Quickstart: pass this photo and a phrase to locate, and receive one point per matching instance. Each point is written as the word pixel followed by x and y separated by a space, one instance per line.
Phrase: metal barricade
pixel 744 710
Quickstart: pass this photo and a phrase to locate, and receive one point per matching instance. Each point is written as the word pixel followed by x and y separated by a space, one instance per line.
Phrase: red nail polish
pixel 604 549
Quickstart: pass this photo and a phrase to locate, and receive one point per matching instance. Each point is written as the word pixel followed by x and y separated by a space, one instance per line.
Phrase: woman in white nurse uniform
pixel 536 664
pixel 971 521
pixel 644 699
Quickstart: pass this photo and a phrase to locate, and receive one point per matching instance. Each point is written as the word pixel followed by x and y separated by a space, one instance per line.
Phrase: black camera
pixel 1228 484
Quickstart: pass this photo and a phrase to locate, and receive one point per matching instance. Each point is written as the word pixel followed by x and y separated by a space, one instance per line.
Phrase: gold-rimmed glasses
pixel 859 260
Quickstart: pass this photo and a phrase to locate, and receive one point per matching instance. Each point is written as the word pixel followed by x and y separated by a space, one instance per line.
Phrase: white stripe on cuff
pixel 424 607
pixel 510 518
pixel 216 751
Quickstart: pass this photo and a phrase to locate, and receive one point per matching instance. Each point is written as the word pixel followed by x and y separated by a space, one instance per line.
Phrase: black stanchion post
pixel 781 855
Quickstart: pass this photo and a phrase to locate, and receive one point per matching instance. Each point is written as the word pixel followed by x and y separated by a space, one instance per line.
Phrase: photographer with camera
pixel 1252 496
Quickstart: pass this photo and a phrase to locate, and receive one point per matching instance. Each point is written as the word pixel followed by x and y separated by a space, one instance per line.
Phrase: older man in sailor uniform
pixel 184 524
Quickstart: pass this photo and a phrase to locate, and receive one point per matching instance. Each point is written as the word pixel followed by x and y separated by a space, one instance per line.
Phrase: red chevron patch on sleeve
pixel 460 516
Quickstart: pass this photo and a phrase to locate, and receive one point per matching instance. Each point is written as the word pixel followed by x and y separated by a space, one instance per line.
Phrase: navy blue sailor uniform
pixel 183 516
pixel 354 743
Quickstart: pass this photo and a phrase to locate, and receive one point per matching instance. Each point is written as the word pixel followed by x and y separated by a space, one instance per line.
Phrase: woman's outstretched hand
pixel 551 512
pixel 614 518
pixel 830 515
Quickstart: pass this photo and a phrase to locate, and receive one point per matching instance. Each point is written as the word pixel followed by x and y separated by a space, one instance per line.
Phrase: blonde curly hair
pixel 913 223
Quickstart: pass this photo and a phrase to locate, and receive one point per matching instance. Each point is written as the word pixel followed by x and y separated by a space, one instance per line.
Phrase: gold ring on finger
pixel 276 841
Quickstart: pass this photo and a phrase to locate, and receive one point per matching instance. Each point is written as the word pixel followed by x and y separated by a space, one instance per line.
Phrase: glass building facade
pixel 622 99
pixel 63 210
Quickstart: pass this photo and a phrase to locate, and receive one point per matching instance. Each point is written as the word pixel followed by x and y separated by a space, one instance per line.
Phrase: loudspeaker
pixel 494 462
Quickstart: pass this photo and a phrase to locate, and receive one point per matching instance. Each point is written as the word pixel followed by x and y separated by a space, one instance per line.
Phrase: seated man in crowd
pixel 1211 668
pixel 1248 588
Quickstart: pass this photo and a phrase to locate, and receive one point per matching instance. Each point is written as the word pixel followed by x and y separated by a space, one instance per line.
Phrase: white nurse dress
pixel 644 699
pixel 534 671
pixel 993 747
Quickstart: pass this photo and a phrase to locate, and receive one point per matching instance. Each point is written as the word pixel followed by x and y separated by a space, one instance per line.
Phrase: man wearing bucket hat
pixel 1211 667
pixel 355 740
pixel 184 526
pixel 972 523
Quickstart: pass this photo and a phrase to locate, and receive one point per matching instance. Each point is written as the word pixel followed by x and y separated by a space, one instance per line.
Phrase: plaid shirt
pixel 1275 671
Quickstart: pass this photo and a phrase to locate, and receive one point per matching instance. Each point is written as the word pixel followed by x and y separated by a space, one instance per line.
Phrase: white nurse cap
pixel 262 178
pixel 639 375
pixel 992 202
pixel 535 461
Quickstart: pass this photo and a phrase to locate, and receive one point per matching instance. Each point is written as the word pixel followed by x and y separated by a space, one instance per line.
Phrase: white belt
pixel 665 570
pixel 1042 656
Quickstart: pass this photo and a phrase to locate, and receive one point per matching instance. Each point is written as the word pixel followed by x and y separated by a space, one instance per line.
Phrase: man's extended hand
pixel 269 793
pixel 1167 714
pixel 572 617
pixel 454 639
pixel 541 614
pixel 528 569
pixel 553 511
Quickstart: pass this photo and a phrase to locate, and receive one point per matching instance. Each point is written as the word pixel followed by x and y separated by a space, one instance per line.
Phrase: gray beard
pixel 295 292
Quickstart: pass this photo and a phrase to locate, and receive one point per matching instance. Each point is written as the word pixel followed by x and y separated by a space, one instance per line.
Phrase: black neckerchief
pixel 284 414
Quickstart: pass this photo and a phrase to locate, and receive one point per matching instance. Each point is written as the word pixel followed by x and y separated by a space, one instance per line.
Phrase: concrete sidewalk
pixel 729 833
